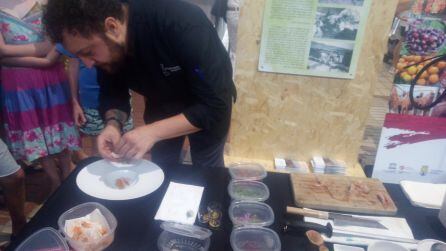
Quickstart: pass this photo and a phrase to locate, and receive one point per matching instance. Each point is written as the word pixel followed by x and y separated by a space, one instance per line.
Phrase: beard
pixel 117 55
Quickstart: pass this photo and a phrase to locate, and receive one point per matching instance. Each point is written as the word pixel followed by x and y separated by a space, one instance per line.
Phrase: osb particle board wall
pixel 297 116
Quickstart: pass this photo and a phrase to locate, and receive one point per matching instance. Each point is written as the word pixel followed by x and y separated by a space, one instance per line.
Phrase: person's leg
pixel 50 168
pixel 65 163
pixel 206 150
pixel 14 193
pixel 12 182
pixel 167 152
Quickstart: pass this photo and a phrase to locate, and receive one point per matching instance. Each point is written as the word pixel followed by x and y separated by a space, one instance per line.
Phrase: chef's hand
pixel 108 140
pixel 135 143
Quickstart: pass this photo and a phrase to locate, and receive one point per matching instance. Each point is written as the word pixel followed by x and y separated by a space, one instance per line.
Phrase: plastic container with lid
pixel 244 190
pixel 45 239
pixel 183 237
pixel 247 171
pixel 254 238
pixel 251 213
pixel 81 211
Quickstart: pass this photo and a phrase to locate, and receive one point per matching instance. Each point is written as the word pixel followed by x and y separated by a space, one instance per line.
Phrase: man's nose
pixel 88 62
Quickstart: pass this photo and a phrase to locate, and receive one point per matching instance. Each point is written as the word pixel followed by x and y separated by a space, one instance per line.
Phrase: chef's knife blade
pixel 338 219
pixel 349 220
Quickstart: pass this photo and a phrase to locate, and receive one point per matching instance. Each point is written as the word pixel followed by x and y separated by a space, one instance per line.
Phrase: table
pixel 137 230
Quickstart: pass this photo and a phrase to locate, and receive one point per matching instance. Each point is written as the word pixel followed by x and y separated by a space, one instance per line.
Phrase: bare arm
pixel 40 49
pixel 33 62
pixel 73 77
pixel 134 144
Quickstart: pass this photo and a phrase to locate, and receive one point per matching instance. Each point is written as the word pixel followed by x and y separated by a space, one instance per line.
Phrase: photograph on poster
pixel 350 2
pixel 399 101
pixel 336 23
pixel 329 56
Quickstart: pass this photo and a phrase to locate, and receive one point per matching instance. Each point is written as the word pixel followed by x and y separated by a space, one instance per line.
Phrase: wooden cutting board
pixel 341 193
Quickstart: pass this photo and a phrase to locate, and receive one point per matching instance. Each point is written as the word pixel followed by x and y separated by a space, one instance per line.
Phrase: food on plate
pixel 122 183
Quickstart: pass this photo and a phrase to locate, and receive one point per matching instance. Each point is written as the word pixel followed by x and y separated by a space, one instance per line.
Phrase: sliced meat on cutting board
pixel 342 193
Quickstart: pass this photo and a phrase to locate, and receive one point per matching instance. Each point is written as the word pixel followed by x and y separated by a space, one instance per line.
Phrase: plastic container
pixel 251 213
pixel 243 190
pixel 82 210
pixel 254 238
pixel 247 171
pixel 45 239
pixel 183 237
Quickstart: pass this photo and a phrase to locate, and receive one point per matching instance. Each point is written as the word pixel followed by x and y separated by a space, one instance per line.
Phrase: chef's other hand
pixel 135 143
pixel 108 141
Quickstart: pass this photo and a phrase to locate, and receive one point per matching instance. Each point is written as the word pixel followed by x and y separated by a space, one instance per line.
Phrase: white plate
pixel 92 180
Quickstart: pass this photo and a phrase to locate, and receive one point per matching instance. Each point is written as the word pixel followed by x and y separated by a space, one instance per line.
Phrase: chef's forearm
pixel 171 127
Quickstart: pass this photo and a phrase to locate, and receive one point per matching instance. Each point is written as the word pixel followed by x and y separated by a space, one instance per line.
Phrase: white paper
pixel 180 203
pixel 397 227
pixel 424 194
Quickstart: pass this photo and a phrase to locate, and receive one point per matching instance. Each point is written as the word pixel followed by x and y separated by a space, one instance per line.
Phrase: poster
pixel 423 37
pixel 412 148
pixel 313 37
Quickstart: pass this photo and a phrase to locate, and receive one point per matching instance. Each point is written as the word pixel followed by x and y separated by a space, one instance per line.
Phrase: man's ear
pixel 113 28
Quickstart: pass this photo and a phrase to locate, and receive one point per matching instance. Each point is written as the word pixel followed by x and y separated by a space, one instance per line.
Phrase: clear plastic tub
pixel 81 211
pixel 251 213
pixel 254 238
pixel 45 239
pixel 244 190
pixel 247 171
pixel 183 237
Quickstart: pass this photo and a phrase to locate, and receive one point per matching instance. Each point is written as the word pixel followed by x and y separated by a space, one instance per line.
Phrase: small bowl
pixel 247 171
pixel 251 213
pixel 254 238
pixel 126 164
pixel 121 179
pixel 82 210
pixel 243 190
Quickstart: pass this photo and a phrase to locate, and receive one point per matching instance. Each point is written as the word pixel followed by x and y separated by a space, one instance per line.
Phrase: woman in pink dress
pixel 34 91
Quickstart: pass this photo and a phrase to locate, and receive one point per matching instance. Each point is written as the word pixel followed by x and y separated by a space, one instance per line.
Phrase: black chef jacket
pixel 177 61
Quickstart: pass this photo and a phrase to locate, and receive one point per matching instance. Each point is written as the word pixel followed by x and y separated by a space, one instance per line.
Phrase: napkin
pixel 397 227
pixel 424 194
pixel 180 203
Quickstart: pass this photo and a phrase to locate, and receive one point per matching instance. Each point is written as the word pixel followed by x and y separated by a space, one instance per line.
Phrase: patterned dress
pixel 36 107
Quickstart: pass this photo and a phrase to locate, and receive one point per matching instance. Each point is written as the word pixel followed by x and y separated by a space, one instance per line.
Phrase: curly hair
pixel 85 17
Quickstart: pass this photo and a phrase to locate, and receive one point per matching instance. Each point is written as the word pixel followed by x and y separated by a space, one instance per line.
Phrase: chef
pixel 167 51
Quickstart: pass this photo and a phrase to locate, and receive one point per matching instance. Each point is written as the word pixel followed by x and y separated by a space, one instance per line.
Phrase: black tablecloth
pixel 137 230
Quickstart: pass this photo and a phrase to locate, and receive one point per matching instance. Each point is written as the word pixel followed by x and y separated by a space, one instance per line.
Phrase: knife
pixel 294 225
pixel 338 219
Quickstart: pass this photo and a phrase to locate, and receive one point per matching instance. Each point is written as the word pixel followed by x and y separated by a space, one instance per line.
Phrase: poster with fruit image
pixel 425 39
